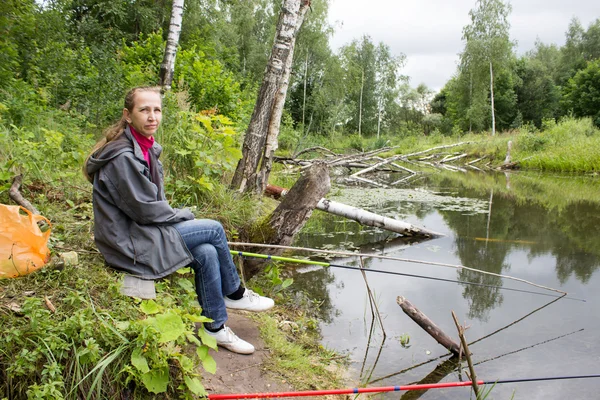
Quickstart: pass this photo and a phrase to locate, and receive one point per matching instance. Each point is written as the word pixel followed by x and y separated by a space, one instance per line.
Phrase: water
pixel 544 229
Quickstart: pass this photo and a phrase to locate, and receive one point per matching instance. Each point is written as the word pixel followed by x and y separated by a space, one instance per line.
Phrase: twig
pixel 474 161
pixel 323 149
pixel 18 198
pixel 246 367
pixel 77 250
pixel 49 305
pixel 465 346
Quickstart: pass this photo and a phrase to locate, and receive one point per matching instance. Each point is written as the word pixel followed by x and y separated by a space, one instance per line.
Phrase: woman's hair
pixel 116 130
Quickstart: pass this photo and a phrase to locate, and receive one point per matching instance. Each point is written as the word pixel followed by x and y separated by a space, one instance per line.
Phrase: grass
pixel 87 348
pixel 296 355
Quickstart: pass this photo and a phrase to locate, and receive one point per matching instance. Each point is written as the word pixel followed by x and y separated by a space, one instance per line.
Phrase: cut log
pixel 361 216
pixel 432 329
pixel 291 214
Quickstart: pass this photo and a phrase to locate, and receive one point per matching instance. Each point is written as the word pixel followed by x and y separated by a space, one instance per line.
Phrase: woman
pixel 138 232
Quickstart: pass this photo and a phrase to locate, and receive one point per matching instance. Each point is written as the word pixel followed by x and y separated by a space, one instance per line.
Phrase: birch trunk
pixel 362 84
pixel 492 98
pixel 362 216
pixel 275 122
pixel 261 136
pixel 168 65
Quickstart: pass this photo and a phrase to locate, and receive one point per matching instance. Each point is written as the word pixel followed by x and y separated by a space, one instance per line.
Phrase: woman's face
pixel 146 113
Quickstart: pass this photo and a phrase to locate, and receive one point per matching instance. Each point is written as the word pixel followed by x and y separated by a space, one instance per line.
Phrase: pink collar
pixel 145 143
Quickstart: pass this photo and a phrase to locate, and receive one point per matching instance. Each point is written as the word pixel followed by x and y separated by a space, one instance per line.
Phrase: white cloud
pixel 429 32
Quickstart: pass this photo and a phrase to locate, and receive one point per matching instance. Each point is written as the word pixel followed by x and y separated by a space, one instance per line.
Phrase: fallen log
pixel 361 216
pixel 432 329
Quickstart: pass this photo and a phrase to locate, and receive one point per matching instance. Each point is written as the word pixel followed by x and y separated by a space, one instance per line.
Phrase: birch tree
pixel 260 142
pixel 168 65
pixel 488 47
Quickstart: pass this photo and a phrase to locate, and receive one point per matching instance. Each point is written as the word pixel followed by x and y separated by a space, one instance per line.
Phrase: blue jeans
pixel 214 270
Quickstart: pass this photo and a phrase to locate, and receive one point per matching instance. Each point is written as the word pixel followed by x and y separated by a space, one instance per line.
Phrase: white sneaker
pixel 250 301
pixel 229 340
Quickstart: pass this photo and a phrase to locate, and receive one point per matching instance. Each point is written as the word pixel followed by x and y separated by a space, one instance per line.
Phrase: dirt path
pixel 238 373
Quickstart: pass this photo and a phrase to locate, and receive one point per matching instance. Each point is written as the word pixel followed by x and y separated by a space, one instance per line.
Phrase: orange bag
pixel 23 246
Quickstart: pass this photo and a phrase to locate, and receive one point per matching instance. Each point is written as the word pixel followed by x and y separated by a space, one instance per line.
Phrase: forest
pixel 65 66
pixel 76 58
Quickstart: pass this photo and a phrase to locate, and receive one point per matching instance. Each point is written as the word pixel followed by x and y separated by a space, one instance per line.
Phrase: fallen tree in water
pixel 361 216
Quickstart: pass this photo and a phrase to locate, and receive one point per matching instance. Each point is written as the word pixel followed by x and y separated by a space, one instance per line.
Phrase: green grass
pixel 296 355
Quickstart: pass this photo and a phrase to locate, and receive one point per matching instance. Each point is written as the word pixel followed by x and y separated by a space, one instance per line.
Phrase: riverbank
pixel 69 332
pixel 570 145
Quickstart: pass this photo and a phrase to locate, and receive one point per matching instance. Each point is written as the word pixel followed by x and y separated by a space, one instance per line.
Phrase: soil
pixel 237 373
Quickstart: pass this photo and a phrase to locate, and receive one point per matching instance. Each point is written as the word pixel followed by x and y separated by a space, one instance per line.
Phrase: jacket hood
pixel 122 144
pixel 105 154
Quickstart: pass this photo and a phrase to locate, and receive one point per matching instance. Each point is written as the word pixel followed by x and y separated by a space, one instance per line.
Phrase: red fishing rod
pixel 382 389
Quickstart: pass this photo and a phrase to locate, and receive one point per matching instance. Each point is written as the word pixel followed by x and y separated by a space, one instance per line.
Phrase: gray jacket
pixel 133 222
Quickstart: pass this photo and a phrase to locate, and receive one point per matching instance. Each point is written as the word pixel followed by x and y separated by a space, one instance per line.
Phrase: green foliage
pixel 202 146
pixel 98 343
pixel 209 85
pixel 141 60
pixel 582 94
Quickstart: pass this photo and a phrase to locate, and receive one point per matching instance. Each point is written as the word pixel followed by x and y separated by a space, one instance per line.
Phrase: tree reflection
pixel 526 217
pixel 482 255
pixel 313 285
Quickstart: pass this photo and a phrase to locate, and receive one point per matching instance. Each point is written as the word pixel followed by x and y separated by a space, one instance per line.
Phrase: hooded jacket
pixel 133 222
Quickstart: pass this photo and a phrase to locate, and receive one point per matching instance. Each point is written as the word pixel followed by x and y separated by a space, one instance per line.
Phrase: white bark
pixel 168 65
pixel 508 158
pixel 454 158
pixel 262 132
pixel 371 219
pixel 275 121
pixel 362 84
pixel 492 98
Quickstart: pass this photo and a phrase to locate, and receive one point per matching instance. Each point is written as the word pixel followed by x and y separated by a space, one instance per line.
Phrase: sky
pixel 429 32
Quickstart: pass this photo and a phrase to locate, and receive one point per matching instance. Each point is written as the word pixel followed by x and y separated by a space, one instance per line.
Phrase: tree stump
pixel 290 216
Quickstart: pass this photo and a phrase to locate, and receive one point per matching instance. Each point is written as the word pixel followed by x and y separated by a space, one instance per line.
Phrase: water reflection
pixel 542 229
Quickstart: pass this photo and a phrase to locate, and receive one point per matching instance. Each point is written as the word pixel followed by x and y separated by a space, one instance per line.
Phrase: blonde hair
pixel 114 131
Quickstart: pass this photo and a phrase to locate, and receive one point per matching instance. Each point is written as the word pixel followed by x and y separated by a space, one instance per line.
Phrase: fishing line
pixel 382 389
pixel 325 264
pixel 348 254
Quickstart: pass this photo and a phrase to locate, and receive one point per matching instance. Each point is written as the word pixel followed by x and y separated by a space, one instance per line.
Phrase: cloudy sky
pixel 429 32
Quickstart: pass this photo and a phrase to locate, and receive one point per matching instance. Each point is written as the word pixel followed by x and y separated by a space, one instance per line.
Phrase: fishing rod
pixel 326 264
pixel 382 389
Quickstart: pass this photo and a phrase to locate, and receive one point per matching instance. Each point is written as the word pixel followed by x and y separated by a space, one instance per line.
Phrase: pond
pixel 540 228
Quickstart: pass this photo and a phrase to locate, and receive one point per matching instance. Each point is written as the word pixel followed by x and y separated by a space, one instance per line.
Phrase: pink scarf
pixel 144 142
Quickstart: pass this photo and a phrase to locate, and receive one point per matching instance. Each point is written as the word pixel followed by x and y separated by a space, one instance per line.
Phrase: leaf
pixel 197 318
pixel 195 386
pixel 193 339
pixel 170 326
pixel 139 361
pixel 183 271
pixel 186 285
pixel 207 340
pixel 287 283
pixel 186 363
pixel 157 380
pixel 209 365
pixel 149 307
pixel 208 362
